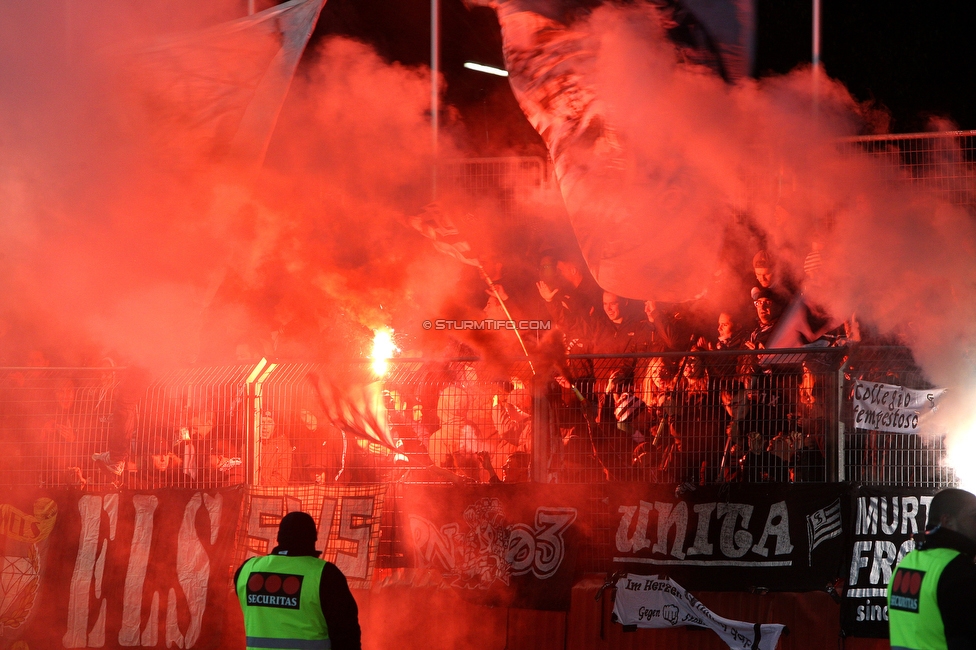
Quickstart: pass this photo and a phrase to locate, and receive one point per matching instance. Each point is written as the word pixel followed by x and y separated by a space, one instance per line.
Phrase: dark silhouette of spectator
pixel 511 414
pixel 194 448
pixel 130 388
pixel 617 334
pixel 699 426
pixel 658 393
pixel 759 413
pixel 811 423
pixel 730 337
pixel 514 470
pixel 665 328
pixel 770 277
pixel 275 452
pixel 162 466
pixel 573 299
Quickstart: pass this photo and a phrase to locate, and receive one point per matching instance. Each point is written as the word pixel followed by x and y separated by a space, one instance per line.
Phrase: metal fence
pixel 693 419
pixel 678 418
pixel 511 183
pixel 195 429
pixel 52 420
pixel 943 163
pixel 881 458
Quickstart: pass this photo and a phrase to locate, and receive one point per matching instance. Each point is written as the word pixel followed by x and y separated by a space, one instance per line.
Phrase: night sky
pixel 914 58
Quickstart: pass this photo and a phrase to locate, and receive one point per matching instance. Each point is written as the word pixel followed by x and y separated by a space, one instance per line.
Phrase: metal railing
pixel 943 163
pixel 51 422
pixel 678 418
pixel 512 184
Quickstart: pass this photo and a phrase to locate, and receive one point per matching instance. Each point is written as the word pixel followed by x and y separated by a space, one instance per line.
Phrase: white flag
pixel 222 88
pixel 653 602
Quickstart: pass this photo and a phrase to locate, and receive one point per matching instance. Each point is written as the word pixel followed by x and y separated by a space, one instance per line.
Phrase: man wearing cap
pixel 768 311
pixel 292 600
pixel 768 276
pixel 932 592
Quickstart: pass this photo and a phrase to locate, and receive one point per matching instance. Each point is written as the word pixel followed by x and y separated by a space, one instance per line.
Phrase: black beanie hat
pixel 297 535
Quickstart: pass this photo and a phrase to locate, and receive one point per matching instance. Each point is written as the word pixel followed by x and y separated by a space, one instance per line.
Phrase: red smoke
pixel 123 223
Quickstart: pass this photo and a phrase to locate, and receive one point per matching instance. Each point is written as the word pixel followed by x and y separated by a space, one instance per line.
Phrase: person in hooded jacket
pixel 932 592
pixel 293 600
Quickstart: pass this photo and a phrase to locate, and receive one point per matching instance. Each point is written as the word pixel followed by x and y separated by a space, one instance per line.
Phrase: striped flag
pixel 822 525
pixel 360 411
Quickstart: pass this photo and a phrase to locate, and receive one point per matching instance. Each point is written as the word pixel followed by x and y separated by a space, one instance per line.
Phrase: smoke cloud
pixel 662 157
pixel 127 232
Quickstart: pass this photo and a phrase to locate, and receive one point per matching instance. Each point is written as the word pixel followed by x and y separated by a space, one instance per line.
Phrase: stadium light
pixel 471 65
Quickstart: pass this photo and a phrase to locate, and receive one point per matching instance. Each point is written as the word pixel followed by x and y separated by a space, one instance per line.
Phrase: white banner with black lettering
pixel 886 407
pixel 653 602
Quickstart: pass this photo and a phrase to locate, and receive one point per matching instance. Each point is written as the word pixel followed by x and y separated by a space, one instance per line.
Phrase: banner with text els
pixel 134 568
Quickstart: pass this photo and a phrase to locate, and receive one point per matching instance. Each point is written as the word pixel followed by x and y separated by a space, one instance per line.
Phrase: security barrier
pixel 686 419
pixel 51 422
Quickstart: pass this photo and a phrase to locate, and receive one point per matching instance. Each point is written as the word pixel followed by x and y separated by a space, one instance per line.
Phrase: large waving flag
pixel 222 88
pixel 630 206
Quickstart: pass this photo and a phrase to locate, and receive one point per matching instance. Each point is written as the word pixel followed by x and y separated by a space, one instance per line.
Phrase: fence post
pixel 839 471
pixel 540 429
pixel 252 423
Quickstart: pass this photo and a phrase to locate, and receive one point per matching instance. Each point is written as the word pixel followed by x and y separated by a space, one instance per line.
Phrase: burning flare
pixel 383 350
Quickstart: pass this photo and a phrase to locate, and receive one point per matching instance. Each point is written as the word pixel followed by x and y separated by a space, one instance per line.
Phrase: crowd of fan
pixel 683 419
pixel 638 391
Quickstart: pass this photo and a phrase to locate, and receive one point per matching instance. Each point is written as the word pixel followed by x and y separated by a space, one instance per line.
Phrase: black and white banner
pixel 731 537
pixel 655 602
pixel 884 520
pixel 509 545
pixel 896 409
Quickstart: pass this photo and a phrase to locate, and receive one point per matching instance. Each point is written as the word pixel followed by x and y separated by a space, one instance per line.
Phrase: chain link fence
pixel 512 184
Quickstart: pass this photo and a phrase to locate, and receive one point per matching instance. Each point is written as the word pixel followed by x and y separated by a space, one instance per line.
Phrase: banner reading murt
pixel 348 520
pixel 505 545
pixel 884 521
pixel 886 407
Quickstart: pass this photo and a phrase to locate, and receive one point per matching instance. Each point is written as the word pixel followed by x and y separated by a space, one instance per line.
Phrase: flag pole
pixel 508 314
pixel 435 47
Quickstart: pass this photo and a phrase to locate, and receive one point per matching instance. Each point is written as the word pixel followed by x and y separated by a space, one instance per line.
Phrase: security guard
pixel 292 600
pixel 932 593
